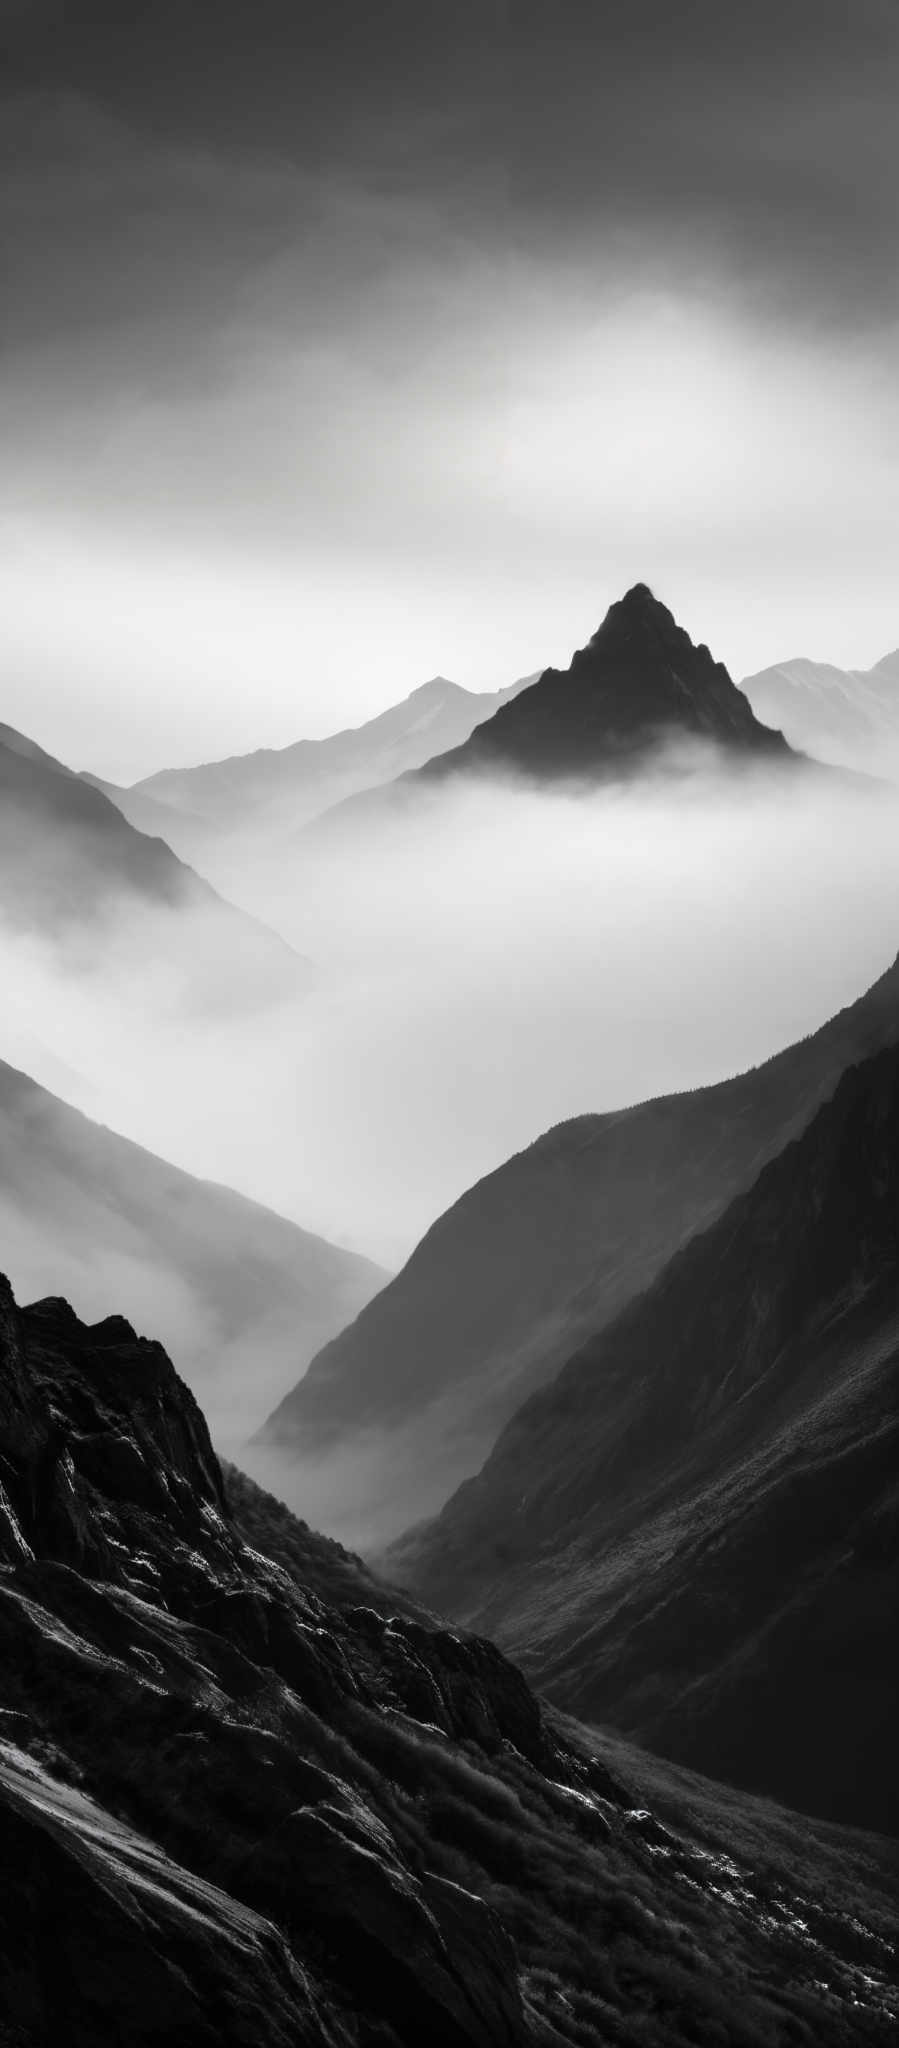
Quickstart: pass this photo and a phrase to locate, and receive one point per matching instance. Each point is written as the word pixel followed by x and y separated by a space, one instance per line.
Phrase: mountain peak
pixel 640 595
pixel 639 683
pixel 438 687
pixel 639 610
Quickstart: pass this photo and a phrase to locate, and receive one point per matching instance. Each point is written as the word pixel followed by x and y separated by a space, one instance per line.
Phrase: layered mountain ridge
pixel 540 1255
pixel 286 785
pixel 694 1531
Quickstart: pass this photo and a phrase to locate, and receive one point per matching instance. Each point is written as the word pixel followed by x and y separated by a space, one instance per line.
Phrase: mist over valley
pixel 449 1046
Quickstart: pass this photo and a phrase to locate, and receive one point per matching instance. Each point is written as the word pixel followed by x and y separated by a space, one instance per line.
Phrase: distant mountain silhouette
pixel 69 861
pixel 542 1253
pixel 241 1293
pixel 638 682
pixel 848 716
pixel 287 785
pixel 694 1532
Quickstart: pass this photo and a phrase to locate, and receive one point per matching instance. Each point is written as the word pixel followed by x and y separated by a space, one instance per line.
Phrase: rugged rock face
pixel 113 1510
pixel 694 1532
pixel 545 1251
pixel 233 1814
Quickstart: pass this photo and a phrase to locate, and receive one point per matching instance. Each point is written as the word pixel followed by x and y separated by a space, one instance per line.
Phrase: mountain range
pixel 282 787
pixel 637 684
pixel 849 716
pixel 241 1294
pixel 238 1811
pixel 537 1257
pixel 693 1533
pixel 639 697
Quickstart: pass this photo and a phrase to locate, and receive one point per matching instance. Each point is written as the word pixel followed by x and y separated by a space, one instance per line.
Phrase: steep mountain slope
pixel 242 1293
pixel 541 1254
pixel 235 1814
pixel 849 716
pixel 73 869
pixel 694 1532
pixel 28 750
pixel 638 681
pixel 293 783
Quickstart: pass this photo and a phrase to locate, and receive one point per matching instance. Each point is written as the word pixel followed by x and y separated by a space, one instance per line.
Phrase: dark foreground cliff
pixel 235 1814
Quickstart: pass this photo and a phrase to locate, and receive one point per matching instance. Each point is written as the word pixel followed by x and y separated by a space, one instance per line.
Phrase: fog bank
pixel 497 962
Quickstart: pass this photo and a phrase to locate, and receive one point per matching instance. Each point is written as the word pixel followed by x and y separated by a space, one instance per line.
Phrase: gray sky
pixel 352 343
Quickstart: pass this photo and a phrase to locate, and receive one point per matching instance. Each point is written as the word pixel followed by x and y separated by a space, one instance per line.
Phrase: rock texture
pixel 231 1813
pixel 694 1532
pixel 543 1252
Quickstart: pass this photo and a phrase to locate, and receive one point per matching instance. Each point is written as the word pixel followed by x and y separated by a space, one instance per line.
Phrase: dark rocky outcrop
pixel 105 1939
pixel 431 1955
pixel 118 1545
pixel 233 1813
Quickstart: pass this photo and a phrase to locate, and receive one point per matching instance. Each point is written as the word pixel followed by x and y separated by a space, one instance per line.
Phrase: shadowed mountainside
pixel 239 1291
pixel 694 1532
pixel 234 1814
pixel 541 1254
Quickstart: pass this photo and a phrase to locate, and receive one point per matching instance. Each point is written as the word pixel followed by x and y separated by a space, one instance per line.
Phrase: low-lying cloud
pixel 485 967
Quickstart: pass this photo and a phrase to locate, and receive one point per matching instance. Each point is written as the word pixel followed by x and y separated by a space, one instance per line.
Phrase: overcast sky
pixel 353 342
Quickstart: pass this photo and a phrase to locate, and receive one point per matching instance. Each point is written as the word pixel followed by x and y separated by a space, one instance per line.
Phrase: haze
pixel 484 968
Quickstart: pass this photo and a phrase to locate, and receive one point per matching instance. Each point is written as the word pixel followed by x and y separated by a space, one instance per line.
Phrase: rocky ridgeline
pixel 133 1611
pixel 235 1814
